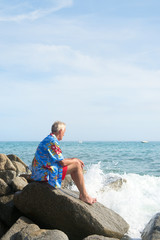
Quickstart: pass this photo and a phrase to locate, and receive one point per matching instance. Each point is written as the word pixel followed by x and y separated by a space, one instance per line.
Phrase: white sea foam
pixel 137 200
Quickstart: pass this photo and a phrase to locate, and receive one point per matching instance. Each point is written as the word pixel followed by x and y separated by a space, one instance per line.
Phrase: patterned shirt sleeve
pixel 55 151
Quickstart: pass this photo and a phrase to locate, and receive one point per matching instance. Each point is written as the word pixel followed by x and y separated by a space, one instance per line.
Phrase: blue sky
pixel 92 64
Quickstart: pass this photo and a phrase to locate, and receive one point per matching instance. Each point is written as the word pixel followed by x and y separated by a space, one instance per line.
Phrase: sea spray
pixel 136 200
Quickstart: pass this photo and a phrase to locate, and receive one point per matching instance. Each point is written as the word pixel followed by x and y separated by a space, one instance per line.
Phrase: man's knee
pixel 78 164
pixel 73 167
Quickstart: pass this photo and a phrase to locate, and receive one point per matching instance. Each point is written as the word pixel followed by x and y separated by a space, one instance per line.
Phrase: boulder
pixel 7 169
pixel 20 166
pixel 11 166
pixel 5 163
pixel 21 223
pixel 67 182
pixel 29 234
pixel 152 229
pixel 3 229
pixel 98 237
pixel 115 182
pixel 4 188
pixel 7 175
pixel 61 209
pixel 24 228
pixel 18 183
pixel 8 212
pixel 27 177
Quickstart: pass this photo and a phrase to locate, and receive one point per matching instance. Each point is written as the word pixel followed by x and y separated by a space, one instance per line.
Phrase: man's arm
pixel 68 161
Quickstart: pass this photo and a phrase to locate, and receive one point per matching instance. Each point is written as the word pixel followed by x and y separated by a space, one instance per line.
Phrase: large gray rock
pixel 42 234
pixel 24 228
pixel 18 183
pixel 4 188
pixel 8 212
pixel 152 229
pixel 7 169
pixel 20 166
pixel 20 224
pixel 115 182
pixel 11 166
pixel 7 175
pixel 61 209
pixel 98 237
pixel 3 229
pixel 5 163
pixel 67 182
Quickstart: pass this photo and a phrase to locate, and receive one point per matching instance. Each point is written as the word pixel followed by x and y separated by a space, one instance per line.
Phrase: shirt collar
pixel 53 135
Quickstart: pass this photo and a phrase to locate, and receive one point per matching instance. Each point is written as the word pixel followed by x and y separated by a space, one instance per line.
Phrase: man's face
pixel 61 134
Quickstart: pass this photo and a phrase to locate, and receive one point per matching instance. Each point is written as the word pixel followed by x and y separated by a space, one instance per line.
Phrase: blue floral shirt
pixel 45 165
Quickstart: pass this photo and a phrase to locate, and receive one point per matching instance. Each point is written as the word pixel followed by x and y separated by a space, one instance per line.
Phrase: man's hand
pixel 82 163
pixel 68 161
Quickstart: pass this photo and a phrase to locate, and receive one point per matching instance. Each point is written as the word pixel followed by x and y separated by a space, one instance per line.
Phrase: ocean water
pixel 136 164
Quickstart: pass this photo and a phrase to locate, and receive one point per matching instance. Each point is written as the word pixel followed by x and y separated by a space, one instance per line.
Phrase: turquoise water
pixel 137 200
pixel 117 157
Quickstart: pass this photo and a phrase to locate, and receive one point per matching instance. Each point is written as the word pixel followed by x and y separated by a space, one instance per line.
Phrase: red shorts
pixel 64 172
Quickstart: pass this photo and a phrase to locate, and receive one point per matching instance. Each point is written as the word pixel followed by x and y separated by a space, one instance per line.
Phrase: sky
pixel 93 64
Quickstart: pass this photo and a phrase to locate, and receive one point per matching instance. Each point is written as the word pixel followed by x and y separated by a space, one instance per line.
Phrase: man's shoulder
pixel 45 140
pixel 50 139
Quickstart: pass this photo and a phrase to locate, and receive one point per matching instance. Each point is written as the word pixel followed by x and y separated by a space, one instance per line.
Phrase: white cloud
pixel 45 58
pixel 30 10
pixel 64 64
pixel 109 99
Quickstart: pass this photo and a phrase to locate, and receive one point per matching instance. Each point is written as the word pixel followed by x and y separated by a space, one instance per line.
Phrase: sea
pixel 136 165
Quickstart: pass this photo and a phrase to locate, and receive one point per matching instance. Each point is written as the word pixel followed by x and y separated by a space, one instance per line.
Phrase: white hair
pixel 57 126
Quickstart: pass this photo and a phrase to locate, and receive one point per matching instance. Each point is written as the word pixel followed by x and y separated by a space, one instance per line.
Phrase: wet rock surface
pixel 63 210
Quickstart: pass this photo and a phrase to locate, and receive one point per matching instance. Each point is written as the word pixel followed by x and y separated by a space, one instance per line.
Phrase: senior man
pixel 50 166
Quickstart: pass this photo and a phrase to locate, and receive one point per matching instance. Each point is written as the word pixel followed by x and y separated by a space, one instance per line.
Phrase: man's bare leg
pixel 76 172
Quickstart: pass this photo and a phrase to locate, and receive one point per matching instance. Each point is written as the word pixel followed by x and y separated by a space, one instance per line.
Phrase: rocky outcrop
pixel 114 182
pixel 18 183
pixel 24 228
pixel 29 234
pixel 7 169
pixel 8 212
pixel 4 188
pixel 20 166
pixel 10 167
pixel 3 229
pixel 67 182
pixel 98 237
pixel 20 224
pixel 152 229
pixel 49 209
pixel 61 209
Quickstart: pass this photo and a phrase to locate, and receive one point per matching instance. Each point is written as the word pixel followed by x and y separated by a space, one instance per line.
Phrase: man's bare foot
pixel 87 199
